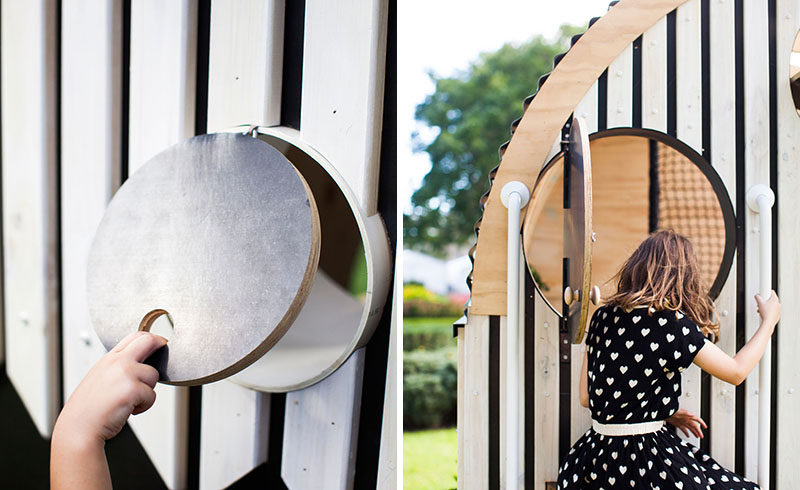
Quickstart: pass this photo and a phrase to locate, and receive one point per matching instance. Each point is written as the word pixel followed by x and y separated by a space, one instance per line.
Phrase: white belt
pixel 626 429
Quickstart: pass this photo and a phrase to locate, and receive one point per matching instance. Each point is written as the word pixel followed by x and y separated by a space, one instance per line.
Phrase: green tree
pixel 472 112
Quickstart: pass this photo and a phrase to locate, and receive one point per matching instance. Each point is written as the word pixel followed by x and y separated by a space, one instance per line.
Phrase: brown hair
pixel 663 274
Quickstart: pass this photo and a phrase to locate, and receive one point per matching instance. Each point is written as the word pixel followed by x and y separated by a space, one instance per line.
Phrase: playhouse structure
pixel 663 114
pixel 100 101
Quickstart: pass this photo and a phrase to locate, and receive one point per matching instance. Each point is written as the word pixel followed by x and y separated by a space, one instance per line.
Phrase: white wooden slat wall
pixel 163 48
pixel 91 116
pixel 723 159
pixel 619 90
pixel 30 209
pixel 689 130
pixel 245 65
pixel 787 471
pixel 390 459
pixel 756 163
pixel 245 76
pixel 545 405
pixel 344 60
pixel 340 116
pixel 473 412
pixel 580 417
pixel 654 77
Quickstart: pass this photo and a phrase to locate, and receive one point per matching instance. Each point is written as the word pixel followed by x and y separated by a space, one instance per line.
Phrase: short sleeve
pixel 683 338
pixel 592 324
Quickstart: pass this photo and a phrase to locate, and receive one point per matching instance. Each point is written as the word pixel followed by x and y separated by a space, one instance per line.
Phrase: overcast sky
pixel 444 36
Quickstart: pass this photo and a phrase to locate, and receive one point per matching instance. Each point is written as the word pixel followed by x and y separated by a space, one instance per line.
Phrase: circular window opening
pixel 642 181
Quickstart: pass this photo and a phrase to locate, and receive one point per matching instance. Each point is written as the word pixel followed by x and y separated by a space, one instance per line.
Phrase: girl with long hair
pixel 638 342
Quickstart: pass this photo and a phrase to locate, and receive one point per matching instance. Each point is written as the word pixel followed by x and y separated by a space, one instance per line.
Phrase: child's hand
pixel 770 310
pixel 117 386
pixel 688 422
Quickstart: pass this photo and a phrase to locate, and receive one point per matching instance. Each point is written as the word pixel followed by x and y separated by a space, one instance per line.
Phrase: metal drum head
pixel 221 233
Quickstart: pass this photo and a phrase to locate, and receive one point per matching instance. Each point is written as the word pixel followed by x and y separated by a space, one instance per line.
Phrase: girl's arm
pixel 117 386
pixel 735 369
pixel 584 383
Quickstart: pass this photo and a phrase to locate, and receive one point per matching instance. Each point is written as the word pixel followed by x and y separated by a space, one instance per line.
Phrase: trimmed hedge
pixel 428 333
pixel 429 388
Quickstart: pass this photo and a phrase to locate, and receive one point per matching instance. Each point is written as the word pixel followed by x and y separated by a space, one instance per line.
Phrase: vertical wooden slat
pixel 344 56
pixel 162 99
pixel 461 400
pixel 30 207
pixel 473 458
pixel 91 115
pixel 756 122
pixel 244 78
pixel 654 77
pixel 327 458
pixel 689 130
pixel 620 92
pixel 580 417
pixel 340 116
pixel 787 471
pixel 545 408
pixel 245 70
pixel 723 159
pixel 389 448
pixel 234 430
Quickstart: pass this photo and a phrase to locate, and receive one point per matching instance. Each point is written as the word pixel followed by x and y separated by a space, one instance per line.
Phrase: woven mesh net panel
pixel 688 204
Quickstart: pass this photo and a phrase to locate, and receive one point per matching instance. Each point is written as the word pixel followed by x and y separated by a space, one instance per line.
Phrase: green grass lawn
pixel 428 332
pixel 429 459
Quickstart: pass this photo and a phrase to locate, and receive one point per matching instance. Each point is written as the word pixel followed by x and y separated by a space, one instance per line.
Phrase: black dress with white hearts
pixel 635 360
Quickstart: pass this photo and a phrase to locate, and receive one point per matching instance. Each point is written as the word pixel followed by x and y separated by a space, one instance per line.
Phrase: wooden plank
pixel 91 115
pixel 654 77
pixel 690 131
pixel 234 430
pixel 245 60
pixel 619 92
pixel 541 124
pixel 390 444
pixel 545 406
pixel 461 400
pixel 315 427
pixel 344 59
pixel 580 417
pixel 30 233
pixel 723 159
pixel 341 114
pixel 757 148
pixel 162 95
pixel 787 471
pixel 473 417
pixel 235 420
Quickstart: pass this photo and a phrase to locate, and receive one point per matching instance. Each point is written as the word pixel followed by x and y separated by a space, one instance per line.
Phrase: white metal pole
pixel 514 196
pixel 760 199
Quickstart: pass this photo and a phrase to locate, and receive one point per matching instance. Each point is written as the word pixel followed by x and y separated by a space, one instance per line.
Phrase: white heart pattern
pixel 645 331
pixel 614 356
pixel 629 344
pixel 653 346
pixel 622 369
pixel 636 319
pixel 685 331
pixel 670 337
pixel 662 321
pixel 638 357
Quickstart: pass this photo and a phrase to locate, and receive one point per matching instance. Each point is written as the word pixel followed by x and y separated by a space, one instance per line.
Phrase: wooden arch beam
pixel 541 125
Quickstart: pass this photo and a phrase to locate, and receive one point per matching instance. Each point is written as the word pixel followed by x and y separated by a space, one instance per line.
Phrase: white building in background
pixel 441 276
